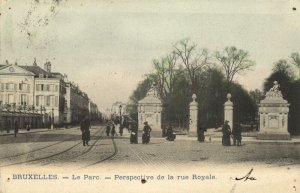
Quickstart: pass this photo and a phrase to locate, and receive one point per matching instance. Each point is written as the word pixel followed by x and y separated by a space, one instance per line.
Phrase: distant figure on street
pixel 146 133
pixel 200 131
pixel 8 126
pixel 170 134
pixel 16 128
pixel 237 134
pixel 113 129
pixel 121 129
pixel 85 131
pixel 28 126
pixel 134 134
pixel 107 130
pixel 226 134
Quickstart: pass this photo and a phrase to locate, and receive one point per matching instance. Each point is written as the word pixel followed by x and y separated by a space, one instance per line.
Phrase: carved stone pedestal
pixel 273 114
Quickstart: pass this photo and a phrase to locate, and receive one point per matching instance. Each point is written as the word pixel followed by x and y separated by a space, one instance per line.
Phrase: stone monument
pixel 150 109
pixel 273 115
pixel 228 111
pixel 193 122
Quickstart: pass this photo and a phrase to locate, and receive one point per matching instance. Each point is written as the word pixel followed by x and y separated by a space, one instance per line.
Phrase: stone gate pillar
pixel 193 122
pixel 228 111
pixel 150 109
pixel 273 114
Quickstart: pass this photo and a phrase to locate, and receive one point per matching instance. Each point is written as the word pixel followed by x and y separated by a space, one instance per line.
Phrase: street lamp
pixel 52 119
pixel 120 108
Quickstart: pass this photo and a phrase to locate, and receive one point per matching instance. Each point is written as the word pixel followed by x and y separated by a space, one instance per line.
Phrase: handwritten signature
pixel 247 176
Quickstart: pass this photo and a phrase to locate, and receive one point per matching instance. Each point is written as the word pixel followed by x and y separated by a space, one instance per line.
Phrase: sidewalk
pixel 24 131
pixel 244 140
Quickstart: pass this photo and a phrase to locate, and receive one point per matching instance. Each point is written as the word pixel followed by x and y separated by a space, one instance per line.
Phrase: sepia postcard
pixel 149 96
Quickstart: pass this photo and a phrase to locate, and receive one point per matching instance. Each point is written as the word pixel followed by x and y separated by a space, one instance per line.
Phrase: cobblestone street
pixel 61 148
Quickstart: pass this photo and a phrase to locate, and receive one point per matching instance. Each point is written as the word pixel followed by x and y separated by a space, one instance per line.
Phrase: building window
pixel 1 99
pixel 2 86
pixel 39 87
pixel 23 87
pixel 52 100
pixel 51 87
pixel 39 100
pixel 24 99
pixel 56 101
pixel 47 101
pixel 11 99
pixel 11 86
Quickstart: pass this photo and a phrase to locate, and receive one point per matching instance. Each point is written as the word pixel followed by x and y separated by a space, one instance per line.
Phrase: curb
pixel 44 130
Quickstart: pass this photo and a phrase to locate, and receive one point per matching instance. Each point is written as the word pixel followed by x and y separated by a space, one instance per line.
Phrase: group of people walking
pixel 110 129
pixel 235 134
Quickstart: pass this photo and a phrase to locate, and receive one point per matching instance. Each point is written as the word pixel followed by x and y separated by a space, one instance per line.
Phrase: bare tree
pixel 194 60
pixel 296 59
pixel 234 61
pixel 165 72
pixel 160 75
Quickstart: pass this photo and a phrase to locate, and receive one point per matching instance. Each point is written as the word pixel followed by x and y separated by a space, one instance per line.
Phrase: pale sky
pixel 107 46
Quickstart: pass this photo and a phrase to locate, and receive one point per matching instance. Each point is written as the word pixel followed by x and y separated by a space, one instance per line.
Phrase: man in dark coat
pixel 16 128
pixel 201 136
pixel 237 134
pixel 113 129
pixel 107 130
pixel 85 131
pixel 134 134
pixel 170 135
pixel 146 133
pixel 121 129
pixel 226 134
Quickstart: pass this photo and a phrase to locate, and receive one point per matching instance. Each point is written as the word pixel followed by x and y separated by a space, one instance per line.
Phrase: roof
pixel 37 70
pixel 150 99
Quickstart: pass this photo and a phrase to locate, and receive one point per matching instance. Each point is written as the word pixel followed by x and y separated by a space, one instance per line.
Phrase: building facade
pixel 48 93
pixel 42 93
pixel 76 104
pixel 17 99
pixel 94 112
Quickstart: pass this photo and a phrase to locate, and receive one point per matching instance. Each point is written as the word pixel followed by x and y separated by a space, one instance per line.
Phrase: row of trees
pixel 188 69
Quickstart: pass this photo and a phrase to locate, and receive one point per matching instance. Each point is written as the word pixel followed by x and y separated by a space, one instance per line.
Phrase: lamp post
pixel 120 108
pixel 52 119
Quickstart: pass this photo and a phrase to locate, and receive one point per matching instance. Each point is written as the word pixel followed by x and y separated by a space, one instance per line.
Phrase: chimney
pixel 34 62
pixel 47 66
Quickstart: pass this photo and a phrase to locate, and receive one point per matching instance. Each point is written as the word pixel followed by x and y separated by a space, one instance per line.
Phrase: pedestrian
pixel 107 130
pixel 170 134
pixel 85 131
pixel 226 134
pixel 237 134
pixel 121 129
pixel 113 129
pixel 8 126
pixel 200 133
pixel 134 134
pixel 146 133
pixel 28 127
pixel 16 128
